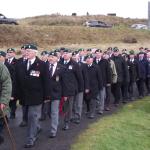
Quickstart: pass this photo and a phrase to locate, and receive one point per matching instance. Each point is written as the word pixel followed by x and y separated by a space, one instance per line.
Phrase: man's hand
pixel 2 106
pixel 65 98
pixel 87 91
pixel 12 98
pixel 46 101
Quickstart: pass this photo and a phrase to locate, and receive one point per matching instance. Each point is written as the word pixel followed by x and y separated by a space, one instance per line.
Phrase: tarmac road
pixel 63 140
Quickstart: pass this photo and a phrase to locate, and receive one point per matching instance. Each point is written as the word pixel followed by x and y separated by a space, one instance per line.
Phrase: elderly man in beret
pixel 31 80
pixel 5 94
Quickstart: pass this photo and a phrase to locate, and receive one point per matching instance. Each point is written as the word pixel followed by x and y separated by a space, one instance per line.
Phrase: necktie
pixel 51 70
pixel 65 62
pixel 28 65
pixel 9 61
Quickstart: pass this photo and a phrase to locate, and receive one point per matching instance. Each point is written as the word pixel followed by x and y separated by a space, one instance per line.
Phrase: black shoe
pixel 66 127
pixel 76 121
pixel 100 112
pixel 107 109
pixel 39 130
pixel 42 118
pixel 52 135
pixel 1 140
pixel 29 144
pixel 23 124
pixel 91 116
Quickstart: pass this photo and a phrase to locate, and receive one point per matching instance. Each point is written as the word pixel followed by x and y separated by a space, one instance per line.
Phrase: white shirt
pixel 32 61
pixel 54 68
pixel 10 60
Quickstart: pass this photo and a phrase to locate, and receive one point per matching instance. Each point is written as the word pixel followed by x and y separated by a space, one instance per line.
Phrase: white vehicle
pixel 139 26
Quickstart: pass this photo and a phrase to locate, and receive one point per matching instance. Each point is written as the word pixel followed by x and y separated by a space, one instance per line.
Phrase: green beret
pixel 31 46
pixel 115 49
pixel 10 50
pixel 131 52
pixel 43 53
pixel 88 56
pixel 2 53
pixel 53 53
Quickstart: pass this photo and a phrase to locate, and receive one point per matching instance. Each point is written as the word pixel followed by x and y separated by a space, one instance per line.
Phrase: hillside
pixel 55 30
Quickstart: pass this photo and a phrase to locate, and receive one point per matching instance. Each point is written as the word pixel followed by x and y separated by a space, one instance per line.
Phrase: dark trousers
pixel 13 107
pixel 45 110
pixel 1 125
pixel 148 85
pixel 140 85
pixel 25 113
pixel 124 90
pixel 116 91
pixel 108 96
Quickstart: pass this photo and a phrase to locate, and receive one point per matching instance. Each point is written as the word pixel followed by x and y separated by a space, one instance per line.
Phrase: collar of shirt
pixel 32 60
pixel 10 59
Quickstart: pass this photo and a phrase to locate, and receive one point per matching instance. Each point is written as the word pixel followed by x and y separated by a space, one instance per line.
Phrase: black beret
pixel 67 51
pixel 62 48
pixel 31 46
pixel 88 56
pixel 23 46
pixel 44 53
pixel 74 53
pixel 109 48
pixel 98 50
pixel 89 49
pixel 52 53
pixel 141 53
pixel 2 53
pixel 10 50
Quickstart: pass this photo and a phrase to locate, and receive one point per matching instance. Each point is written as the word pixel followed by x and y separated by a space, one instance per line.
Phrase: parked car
pixel 96 23
pixel 139 26
pixel 5 20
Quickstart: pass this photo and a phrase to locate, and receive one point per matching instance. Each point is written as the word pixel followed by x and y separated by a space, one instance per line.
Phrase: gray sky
pixel 26 8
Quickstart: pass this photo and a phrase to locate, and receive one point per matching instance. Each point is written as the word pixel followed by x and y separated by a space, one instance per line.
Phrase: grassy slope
pixel 127 130
pixel 53 31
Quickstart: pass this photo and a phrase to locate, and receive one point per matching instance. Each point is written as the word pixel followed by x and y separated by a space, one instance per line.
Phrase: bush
pixel 129 40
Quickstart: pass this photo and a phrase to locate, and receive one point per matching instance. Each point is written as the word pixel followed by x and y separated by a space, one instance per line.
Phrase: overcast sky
pixel 27 8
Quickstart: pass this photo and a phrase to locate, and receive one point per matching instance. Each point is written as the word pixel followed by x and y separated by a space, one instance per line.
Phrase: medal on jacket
pixel 70 67
pixel 57 78
pixel 34 73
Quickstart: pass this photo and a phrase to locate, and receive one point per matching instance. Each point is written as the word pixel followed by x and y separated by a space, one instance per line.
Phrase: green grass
pixel 129 129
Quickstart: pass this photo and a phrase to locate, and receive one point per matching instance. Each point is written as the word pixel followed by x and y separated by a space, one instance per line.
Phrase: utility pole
pixel 149 15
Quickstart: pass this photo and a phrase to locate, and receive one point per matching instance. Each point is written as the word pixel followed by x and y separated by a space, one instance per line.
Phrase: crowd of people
pixel 63 80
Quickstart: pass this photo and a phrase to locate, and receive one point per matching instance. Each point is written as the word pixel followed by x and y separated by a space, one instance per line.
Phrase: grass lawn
pixel 129 129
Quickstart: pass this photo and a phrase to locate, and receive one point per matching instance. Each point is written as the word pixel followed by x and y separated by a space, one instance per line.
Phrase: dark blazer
pixel 11 68
pixel 73 79
pixel 148 69
pixel 85 75
pixel 142 69
pixel 32 85
pixel 56 83
pixel 95 81
pixel 121 68
pixel 105 69
pixel 133 70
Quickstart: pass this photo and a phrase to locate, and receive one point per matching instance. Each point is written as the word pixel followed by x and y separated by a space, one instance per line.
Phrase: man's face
pixel 67 56
pixel 2 59
pixel 89 61
pixel 131 56
pixel 116 53
pixel 11 54
pixel 98 55
pixel 30 53
pixel 141 56
pixel 44 58
pixel 23 52
pixel 105 56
